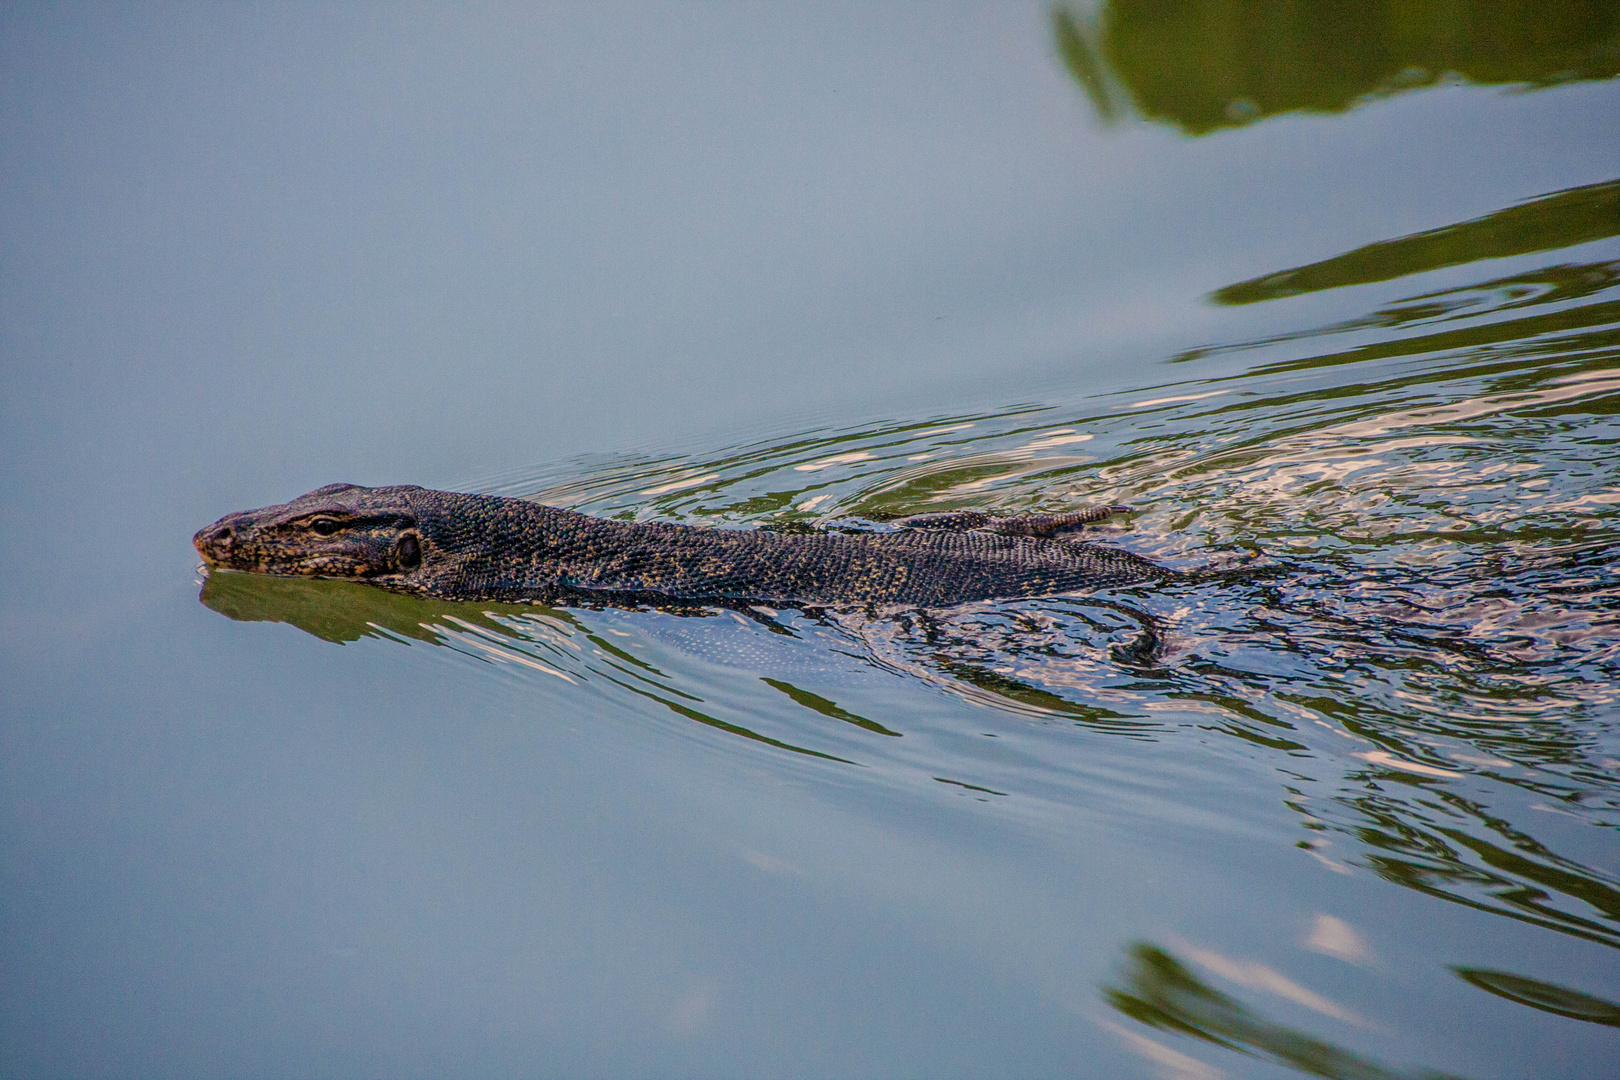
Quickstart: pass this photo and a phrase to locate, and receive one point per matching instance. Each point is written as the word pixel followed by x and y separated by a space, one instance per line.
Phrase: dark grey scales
pixel 482 547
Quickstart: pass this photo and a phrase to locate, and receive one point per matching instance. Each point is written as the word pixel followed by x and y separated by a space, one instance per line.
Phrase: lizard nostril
pixel 216 537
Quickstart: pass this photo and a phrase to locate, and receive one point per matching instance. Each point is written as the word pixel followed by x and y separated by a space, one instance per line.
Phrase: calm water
pixel 1332 301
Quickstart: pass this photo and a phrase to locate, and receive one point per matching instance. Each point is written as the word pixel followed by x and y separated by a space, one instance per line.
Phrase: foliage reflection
pixel 1205 65
pixel 1562 219
pixel 1421 630
pixel 1162 992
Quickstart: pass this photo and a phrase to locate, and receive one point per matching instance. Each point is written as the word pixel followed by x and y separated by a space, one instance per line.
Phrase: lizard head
pixel 338 531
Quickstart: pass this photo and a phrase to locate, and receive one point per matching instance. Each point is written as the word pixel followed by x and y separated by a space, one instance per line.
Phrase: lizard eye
pixel 325 526
pixel 408 552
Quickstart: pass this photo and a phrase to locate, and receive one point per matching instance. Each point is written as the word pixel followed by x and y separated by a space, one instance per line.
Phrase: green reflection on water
pixel 1163 992
pixel 1016 692
pixel 1561 219
pixel 817 703
pixel 720 725
pixel 343 611
pixel 1547 997
pixel 1519 877
pixel 1513 336
pixel 1533 288
pixel 1204 65
pixel 1438 655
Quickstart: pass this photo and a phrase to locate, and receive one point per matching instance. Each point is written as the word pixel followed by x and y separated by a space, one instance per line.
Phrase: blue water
pixel 1328 300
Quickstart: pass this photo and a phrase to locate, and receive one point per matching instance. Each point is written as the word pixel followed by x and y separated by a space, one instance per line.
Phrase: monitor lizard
pixel 456 546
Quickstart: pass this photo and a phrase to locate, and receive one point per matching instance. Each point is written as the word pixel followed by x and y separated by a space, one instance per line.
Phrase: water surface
pixel 1329 299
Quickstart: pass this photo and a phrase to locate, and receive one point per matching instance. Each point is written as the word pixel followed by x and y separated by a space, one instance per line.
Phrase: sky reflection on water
pixel 1330 309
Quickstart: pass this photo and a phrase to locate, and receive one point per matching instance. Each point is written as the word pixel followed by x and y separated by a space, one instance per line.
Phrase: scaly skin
pixel 482 547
